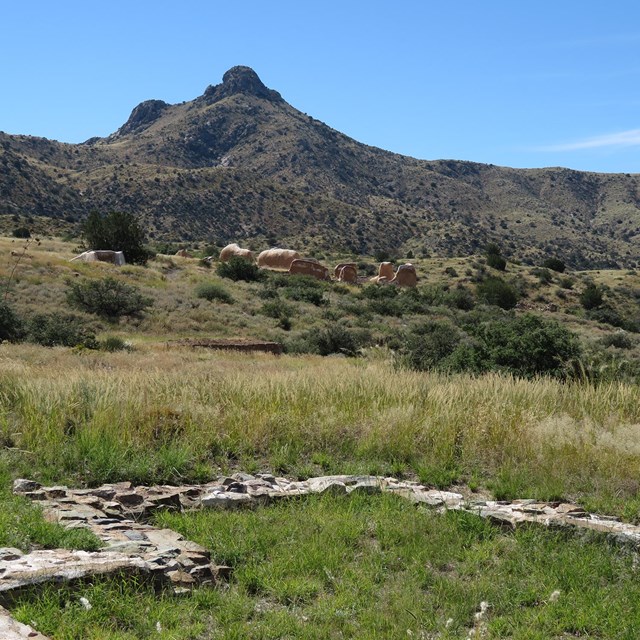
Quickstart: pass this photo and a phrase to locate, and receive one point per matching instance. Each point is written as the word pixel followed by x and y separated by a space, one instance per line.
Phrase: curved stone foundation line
pixel 117 515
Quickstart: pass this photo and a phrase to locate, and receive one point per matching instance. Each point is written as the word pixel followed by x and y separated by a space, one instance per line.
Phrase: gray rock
pixel 225 500
pixel 22 485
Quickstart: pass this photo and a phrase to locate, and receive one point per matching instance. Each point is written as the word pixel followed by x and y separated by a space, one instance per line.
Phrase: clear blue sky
pixel 523 84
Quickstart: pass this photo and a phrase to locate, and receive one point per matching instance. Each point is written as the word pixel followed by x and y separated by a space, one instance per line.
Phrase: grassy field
pixel 365 567
pixel 158 415
pixel 323 568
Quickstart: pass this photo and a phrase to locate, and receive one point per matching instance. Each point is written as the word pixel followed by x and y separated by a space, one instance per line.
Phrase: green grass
pixel 365 567
pixel 153 416
pixel 23 526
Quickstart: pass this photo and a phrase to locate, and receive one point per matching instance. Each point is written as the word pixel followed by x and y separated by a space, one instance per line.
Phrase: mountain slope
pixel 238 162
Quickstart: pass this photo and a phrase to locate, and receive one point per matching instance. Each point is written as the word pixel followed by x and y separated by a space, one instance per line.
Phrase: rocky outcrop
pixel 142 116
pixel 242 80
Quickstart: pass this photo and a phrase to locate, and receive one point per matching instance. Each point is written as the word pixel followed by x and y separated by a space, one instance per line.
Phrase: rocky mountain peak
pixel 242 80
pixel 142 116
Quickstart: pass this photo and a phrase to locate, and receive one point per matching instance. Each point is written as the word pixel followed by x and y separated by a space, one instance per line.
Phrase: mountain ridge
pixel 239 163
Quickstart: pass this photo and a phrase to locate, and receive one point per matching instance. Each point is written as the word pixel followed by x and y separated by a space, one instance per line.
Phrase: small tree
pixel 240 269
pixel 10 324
pixel 60 330
pixel 554 264
pixel 21 232
pixel 497 291
pixel 117 231
pixel 107 298
pixel 591 297
pixel 494 257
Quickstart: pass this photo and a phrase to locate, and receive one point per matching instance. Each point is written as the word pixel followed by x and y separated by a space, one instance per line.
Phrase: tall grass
pixel 172 415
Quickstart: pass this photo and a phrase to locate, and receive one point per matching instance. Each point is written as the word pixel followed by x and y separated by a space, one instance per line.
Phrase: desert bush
pixel 213 291
pixel 566 282
pixel 107 298
pixel 460 299
pixel 240 269
pixel 591 297
pixel 303 289
pixel 21 232
pixel 113 343
pixel 554 264
pixel 498 292
pixel 378 292
pixel 60 330
pixel 528 346
pixel 11 325
pixel 619 340
pixel 277 309
pixel 428 345
pixel 606 314
pixel 386 306
pixel 544 275
pixel 331 339
pixel 496 262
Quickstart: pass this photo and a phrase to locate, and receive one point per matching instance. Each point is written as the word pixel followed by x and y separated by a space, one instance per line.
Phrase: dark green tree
pixel 108 298
pixel 591 297
pixel 117 231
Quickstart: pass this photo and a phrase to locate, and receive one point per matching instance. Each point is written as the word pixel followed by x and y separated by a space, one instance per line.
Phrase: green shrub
pixel 554 264
pixel 386 307
pixel 113 343
pixel 526 346
pixel 428 345
pixel 544 275
pixel 277 309
pixel 107 298
pixel 591 297
pixel 529 345
pixel 213 291
pixel 607 315
pixel 332 339
pixel 11 326
pixel 338 339
pixel 60 329
pixel 496 262
pixel 619 340
pixel 566 282
pixel 305 294
pixel 21 232
pixel 302 288
pixel 460 299
pixel 378 292
pixel 240 269
pixel 498 292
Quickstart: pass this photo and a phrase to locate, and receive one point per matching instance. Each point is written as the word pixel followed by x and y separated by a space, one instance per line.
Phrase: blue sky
pixel 510 83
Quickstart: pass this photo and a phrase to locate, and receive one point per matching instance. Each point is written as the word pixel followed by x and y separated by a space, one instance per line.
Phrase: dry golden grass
pixel 171 413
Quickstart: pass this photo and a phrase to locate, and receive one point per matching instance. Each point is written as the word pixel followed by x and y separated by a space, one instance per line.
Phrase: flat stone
pixel 106 493
pixel 181 577
pixel 11 629
pixel 226 500
pixel 368 487
pixel 243 477
pixel 22 485
pixel 10 553
pixel 129 499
